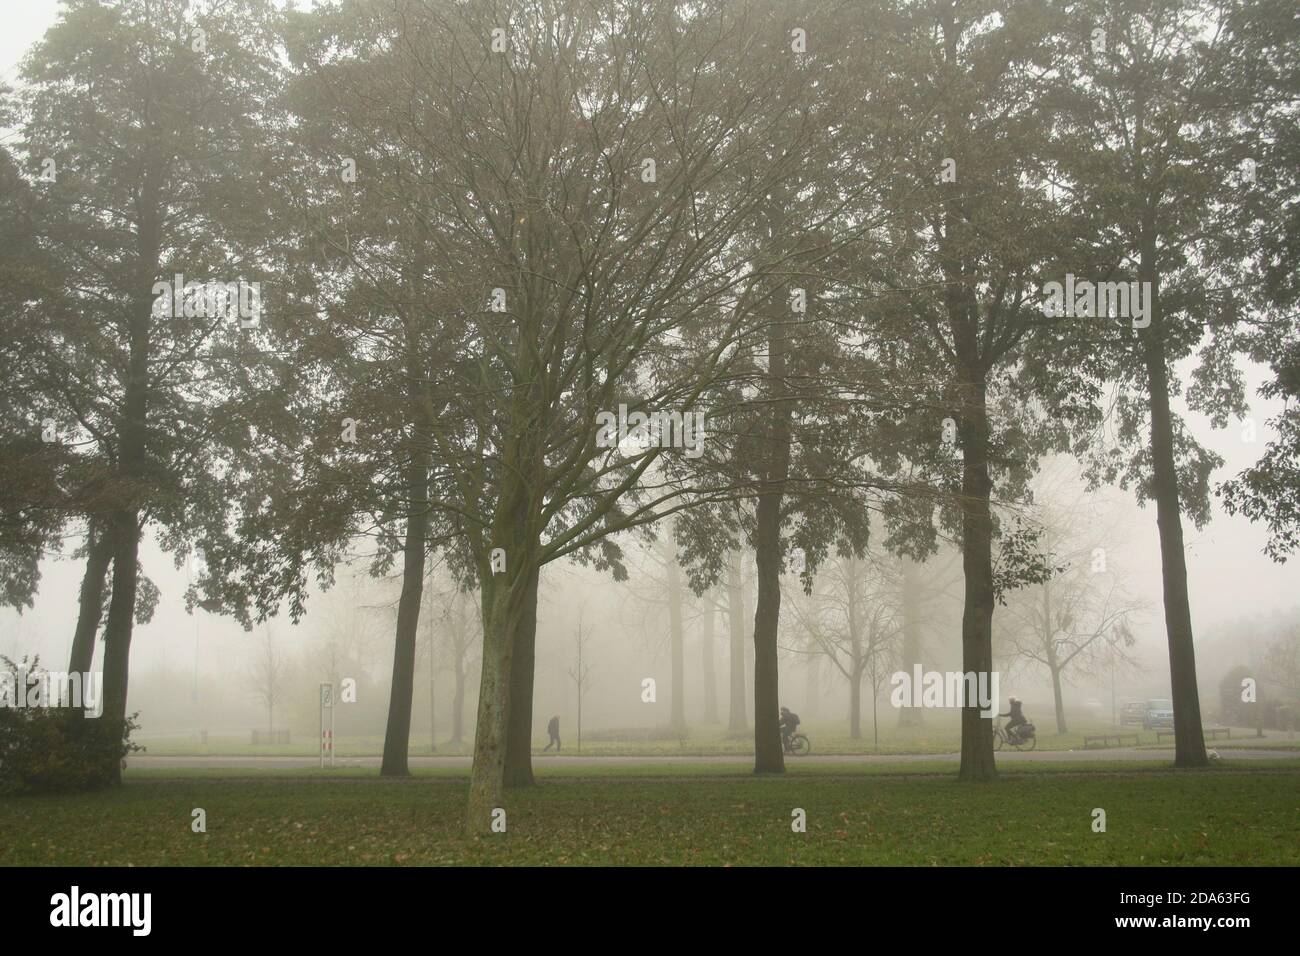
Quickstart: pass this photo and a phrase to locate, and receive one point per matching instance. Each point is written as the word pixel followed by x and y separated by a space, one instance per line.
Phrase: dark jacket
pixel 553 728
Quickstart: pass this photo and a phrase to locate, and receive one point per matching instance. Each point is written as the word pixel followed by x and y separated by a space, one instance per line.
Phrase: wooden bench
pixel 280 736
pixel 1214 733
pixel 1104 739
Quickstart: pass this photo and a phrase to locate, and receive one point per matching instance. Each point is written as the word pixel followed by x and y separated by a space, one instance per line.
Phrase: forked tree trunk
pixel 124 523
pixel 132 452
pixel 90 607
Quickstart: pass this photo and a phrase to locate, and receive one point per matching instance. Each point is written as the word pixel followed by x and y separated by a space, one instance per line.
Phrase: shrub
pixel 58 749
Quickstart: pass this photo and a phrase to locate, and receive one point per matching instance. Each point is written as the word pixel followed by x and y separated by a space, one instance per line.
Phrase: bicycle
pixel 1022 739
pixel 798 745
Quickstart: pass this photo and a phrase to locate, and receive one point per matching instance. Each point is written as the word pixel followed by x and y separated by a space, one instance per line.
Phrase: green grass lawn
pixel 941 735
pixel 912 814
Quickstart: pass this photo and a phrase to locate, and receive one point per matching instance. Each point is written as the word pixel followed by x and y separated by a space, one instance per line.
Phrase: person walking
pixel 553 729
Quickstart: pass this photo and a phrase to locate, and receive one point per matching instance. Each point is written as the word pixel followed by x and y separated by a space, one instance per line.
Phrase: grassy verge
pixel 904 814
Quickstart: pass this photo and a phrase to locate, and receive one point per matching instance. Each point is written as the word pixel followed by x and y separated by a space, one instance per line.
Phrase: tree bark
pixel 1189 736
pixel 977 762
pixel 397 736
pixel 737 723
pixel 769 754
pixel 519 744
pixel 508 600
pixel 121 620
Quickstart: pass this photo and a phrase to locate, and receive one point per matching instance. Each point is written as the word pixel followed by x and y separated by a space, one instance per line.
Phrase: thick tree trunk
pixel 911 715
pixel 957 250
pixel 769 755
pixel 677 642
pixel 769 555
pixel 1189 736
pixel 121 618
pixel 508 600
pixel 737 723
pixel 519 745
pixel 99 548
pixel 397 736
pixel 707 668
pixel 977 762
pixel 487 775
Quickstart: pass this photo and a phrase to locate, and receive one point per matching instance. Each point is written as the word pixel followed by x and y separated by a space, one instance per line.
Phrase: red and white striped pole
pixel 326 734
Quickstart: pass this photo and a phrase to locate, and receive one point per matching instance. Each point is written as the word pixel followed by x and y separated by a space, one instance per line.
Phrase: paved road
pixel 1039 756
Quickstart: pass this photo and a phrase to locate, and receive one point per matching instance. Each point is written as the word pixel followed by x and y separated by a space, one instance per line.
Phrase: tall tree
pixel 1161 126
pixel 952 307
pixel 128 202
pixel 571 259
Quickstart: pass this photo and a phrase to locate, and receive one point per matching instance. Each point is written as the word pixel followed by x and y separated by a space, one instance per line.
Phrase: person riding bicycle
pixel 1017 716
pixel 789 724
